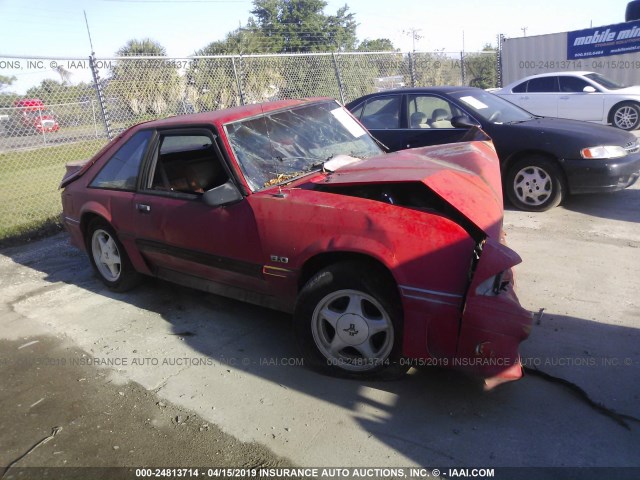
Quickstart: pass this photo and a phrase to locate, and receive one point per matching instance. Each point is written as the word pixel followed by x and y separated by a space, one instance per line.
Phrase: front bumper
pixel 606 175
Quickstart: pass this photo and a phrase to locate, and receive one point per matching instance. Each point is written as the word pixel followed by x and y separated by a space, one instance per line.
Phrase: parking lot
pixel 236 367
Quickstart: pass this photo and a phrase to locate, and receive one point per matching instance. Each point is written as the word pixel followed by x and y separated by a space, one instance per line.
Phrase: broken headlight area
pixel 495 285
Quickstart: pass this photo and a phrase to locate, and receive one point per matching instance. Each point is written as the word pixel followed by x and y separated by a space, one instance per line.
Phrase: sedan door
pixel 429 121
pixel 577 104
pixel 409 121
pixel 540 98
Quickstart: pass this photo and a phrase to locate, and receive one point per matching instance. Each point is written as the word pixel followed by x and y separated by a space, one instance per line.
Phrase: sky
pixel 56 29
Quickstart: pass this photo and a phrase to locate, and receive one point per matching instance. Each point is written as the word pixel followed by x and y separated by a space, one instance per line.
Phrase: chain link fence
pixel 59 121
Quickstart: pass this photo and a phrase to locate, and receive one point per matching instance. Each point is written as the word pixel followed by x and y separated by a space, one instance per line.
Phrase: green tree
pixel 377 45
pixel 278 26
pixel 145 87
pixel 481 68
pixel 301 26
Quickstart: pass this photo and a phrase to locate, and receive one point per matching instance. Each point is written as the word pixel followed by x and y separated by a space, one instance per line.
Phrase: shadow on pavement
pixel 433 417
pixel 623 205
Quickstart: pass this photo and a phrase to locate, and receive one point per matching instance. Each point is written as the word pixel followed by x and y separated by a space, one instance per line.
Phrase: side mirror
pixel 225 194
pixel 589 89
pixel 463 121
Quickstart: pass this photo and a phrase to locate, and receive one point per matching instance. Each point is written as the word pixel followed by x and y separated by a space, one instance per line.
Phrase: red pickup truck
pixel 31 116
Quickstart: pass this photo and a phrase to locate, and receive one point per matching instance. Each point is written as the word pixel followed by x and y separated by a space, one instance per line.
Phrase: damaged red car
pixel 384 260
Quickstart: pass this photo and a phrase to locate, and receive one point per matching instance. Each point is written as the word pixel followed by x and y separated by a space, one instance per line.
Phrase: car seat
pixel 440 119
pixel 419 120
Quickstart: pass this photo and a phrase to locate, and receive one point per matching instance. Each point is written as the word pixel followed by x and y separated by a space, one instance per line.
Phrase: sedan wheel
pixel 626 116
pixel 349 324
pixel 109 258
pixel 534 184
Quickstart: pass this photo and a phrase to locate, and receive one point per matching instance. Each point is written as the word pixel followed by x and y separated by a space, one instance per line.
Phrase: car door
pixel 541 97
pixel 382 115
pixel 182 238
pixel 428 121
pixel 575 103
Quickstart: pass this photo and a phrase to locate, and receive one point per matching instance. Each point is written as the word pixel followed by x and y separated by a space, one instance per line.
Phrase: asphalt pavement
pixel 236 366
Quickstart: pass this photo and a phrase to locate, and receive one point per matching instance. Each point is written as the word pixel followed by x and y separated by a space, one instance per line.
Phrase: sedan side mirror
pixel 589 89
pixel 224 194
pixel 463 121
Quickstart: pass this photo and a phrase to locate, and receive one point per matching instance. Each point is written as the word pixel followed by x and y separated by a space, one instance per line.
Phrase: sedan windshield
pixel 604 81
pixel 277 147
pixel 491 107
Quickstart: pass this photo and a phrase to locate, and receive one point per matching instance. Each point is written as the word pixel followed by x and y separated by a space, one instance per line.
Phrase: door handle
pixel 524 98
pixel 141 207
pixel 564 97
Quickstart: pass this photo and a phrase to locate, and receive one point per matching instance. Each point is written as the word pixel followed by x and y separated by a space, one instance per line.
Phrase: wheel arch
pixel 616 106
pixel 87 218
pixel 324 259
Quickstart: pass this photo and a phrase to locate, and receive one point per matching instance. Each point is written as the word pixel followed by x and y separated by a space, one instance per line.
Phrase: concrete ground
pixel 234 366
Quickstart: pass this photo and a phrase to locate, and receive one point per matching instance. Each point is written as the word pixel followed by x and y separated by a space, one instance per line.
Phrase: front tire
pixel 626 116
pixel 535 184
pixel 348 322
pixel 109 258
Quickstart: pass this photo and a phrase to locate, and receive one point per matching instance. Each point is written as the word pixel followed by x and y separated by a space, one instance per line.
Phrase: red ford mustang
pixel 385 260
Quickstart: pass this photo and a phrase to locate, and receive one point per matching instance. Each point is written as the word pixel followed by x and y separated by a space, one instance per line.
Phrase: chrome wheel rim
pixel 532 186
pixel 352 330
pixel 625 117
pixel 106 255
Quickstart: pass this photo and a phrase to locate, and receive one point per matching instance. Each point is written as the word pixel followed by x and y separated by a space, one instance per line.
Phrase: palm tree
pixel 65 75
pixel 148 87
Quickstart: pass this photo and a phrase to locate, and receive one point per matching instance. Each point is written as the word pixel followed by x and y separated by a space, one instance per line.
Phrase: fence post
pixel 100 94
pixel 412 70
pixel 44 135
pixel 338 77
pixel 238 80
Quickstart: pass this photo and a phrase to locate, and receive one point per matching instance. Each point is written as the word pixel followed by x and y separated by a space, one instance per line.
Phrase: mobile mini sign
pixel 602 41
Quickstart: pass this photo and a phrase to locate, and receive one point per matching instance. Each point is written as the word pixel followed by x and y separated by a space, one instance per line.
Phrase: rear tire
pixel 348 323
pixel 535 184
pixel 109 258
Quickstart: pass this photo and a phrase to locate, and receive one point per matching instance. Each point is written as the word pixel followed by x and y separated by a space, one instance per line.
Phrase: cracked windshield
pixel 280 146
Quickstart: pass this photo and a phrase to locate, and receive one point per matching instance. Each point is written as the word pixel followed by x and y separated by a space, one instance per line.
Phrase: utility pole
pixel 524 31
pixel 414 36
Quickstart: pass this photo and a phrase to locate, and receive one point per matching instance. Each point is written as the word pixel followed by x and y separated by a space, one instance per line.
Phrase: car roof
pixel 231 114
pixel 553 74
pixel 442 89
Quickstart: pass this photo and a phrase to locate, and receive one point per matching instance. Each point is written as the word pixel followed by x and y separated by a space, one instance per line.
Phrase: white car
pixel 585 96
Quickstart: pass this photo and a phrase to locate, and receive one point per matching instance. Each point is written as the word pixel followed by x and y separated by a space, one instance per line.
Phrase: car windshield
pixel 604 81
pixel 38 113
pixel 491 107
pixel 280 146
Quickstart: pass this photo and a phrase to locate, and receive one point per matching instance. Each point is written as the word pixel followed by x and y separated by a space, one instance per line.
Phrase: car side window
pixel 522 88
pixel 430 111
pixel 543 85
pixel 186 163
pixel 121 170
pixel 382 112
pixel 572 84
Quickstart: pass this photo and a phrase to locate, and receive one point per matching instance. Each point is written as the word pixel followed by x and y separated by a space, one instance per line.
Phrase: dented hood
pixel 465 175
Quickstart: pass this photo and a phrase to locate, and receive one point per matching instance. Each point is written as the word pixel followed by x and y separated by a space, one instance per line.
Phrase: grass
pixel 29 180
